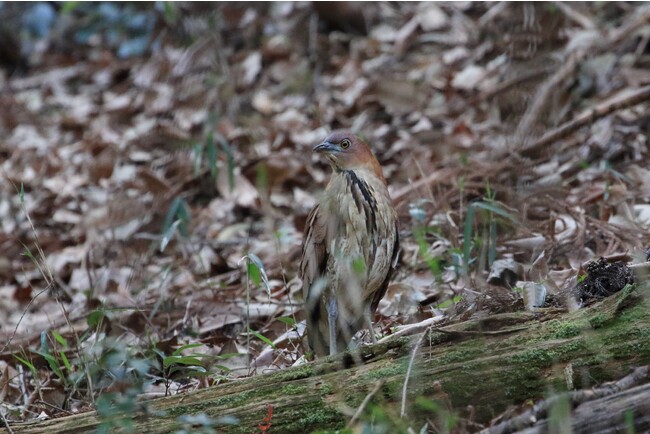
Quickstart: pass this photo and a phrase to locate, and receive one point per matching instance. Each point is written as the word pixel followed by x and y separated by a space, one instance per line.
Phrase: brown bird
pixel 350 246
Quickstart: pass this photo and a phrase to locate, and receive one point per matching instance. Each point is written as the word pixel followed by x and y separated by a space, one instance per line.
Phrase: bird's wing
pixel 313 271
pixel 314 255
pixel 379 294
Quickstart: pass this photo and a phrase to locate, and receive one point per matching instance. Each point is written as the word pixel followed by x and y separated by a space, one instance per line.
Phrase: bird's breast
pixel 360 230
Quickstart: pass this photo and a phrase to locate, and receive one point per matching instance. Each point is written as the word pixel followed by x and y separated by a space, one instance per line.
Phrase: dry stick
pixel 575 16
pixel 54 407
pixel 479 332
pixel 639 19
pixel 543 95
pixel 365 402
pixel 436 176
pixel 513 82
pixel 641 267
pixel 619 101
pixel 4 420
pixel 23 387
pixel 411 329
pixel 545 91
pixel 494 11
pixel 576 398
pixel 13 334
pixel 402 412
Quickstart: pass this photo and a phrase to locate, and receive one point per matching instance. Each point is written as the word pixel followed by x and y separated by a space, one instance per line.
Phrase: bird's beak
pixel 325 147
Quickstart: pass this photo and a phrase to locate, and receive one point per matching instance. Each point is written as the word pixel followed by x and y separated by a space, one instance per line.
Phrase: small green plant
pixel 255 272
pixel 490 210
pixel 420 233
pixel 26 360
pixel 582 277
pixel 117 411
pixel 177 219
pixel 263 338
pixel 56 364
pixel 450 302
pixel 179 365
pixel 288 320
pixel 207 153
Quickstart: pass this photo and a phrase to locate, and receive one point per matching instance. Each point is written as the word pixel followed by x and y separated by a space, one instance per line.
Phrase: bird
pixel 350 246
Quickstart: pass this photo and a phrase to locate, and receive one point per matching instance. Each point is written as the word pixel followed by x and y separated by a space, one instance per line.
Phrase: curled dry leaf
pixel 251 67
pixel 469 78
pixel 401 299
pixel 505 272
pixel 431 17
pixel 565 228
pixel 241 191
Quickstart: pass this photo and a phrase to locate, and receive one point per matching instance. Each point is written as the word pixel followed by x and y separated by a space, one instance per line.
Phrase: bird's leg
pixel 332 316
pixel 368 316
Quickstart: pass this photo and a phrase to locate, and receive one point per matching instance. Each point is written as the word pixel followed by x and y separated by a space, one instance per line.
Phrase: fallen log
pixel 467 372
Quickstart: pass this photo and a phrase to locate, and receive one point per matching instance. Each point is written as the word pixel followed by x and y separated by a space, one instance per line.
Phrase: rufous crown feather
pixel 346 151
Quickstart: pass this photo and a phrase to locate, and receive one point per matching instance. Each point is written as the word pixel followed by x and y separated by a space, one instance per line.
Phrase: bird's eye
pixel 345 143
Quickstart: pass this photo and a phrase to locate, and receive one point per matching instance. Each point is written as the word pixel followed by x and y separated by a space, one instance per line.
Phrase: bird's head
pixel 345 151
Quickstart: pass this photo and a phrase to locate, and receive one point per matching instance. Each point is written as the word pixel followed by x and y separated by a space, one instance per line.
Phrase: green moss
pixel 437 338
pixel 632 315
pixel 462 353
pixel 524 381
pixel 534 356
pixel 291 374
pixel 234 400
pixel 530 365
pixel 342 431
pixel 181 410
pixel 599 320
pixel 392 390
pixel 558 384
pixel 570 350
pixel 592 375
pixel 292 389
pixel 308 417
pixel 387 371
pixel 565 329
pixel 325 389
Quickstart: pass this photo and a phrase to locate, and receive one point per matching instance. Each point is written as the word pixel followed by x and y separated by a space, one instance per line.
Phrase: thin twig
pixel 4 419
pixel 514 82
pixel 402 412
pixel 444 174
pixel 572 61
pixel 20 320
pixel 619 101
pixel 641 266
pixel 365 402
pixel 493 12
pixel 54 407
pixel 639 19
pixel 411 329
pixel 576 16
pixel 545 92
pixel 479 332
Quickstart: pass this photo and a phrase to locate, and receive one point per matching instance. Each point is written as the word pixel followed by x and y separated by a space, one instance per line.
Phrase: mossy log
pixel 488 364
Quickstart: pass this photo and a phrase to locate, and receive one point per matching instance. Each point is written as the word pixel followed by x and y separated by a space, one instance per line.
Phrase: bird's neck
pixel 364 182
pixel 364 172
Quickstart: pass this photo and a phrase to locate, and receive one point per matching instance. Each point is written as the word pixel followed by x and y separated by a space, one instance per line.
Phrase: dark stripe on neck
pixel 363 199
